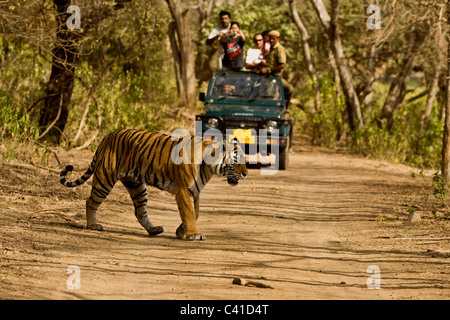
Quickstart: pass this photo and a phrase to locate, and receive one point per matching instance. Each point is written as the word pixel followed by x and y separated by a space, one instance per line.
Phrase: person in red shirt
pixel 233 43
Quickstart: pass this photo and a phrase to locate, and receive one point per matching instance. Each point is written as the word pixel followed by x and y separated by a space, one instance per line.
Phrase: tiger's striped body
pixel 139 158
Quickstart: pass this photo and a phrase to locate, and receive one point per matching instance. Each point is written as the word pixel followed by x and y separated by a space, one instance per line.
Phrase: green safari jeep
pixel 249 108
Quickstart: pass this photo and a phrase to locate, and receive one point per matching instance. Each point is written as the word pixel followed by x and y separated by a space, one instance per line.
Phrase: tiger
pixel 140 158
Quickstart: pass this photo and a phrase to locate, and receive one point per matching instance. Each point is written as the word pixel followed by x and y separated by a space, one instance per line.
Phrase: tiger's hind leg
pixel 99 192
pixel 138 193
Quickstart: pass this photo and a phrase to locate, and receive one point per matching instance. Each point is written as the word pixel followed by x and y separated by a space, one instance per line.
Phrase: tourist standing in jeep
pixel 255 54
pixel 233 44
pixel 217 33
pixel 276 62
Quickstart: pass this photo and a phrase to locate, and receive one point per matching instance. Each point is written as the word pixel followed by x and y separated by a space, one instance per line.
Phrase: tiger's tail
pixel 81 180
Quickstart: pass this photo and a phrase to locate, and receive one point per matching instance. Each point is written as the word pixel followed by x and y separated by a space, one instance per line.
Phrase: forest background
pixel 377 90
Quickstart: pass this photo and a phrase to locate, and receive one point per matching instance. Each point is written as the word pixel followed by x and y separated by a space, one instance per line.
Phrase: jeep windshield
pixel 245 86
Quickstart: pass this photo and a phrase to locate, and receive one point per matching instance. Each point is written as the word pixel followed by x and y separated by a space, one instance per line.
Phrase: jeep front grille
pixel 243 123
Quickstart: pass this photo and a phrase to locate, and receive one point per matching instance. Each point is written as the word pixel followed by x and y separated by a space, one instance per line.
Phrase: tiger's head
pixel 229 163
pixel 235 168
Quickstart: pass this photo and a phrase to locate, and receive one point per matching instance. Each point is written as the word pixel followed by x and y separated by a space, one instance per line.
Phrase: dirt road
pixel 311 232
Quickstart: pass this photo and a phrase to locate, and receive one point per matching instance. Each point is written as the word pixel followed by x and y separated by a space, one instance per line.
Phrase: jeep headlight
pixel 212 123
pixel 271 125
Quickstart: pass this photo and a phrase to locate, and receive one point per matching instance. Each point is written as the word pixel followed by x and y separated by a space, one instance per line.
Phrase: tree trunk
pixel 183 53
pixel 55 109
pixel 440 37
pixel 446 140
pixel 366 96
pixel 331 27
pixel 397 90
pixel 432 93
pixel 206 57
pixel 307 54
pixel 371 69
pixel 176 56
pixel 351 98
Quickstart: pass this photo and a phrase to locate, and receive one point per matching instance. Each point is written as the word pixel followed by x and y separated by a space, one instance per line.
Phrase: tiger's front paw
pixel 95 226
pixel 195 237
pixel 181 234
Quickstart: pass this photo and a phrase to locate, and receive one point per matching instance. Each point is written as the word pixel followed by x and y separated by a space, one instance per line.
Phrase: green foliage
pixel 325 127
pixel 129 109
pixel 439 189
pixel 16 127
pixel 123 72
pixel 22 73
pixel 404 142
pixel 130 71
pixel 124 101
pixel 14 124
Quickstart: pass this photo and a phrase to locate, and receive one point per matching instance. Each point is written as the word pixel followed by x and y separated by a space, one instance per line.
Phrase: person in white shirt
pixel 218 32
pixel 255 54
